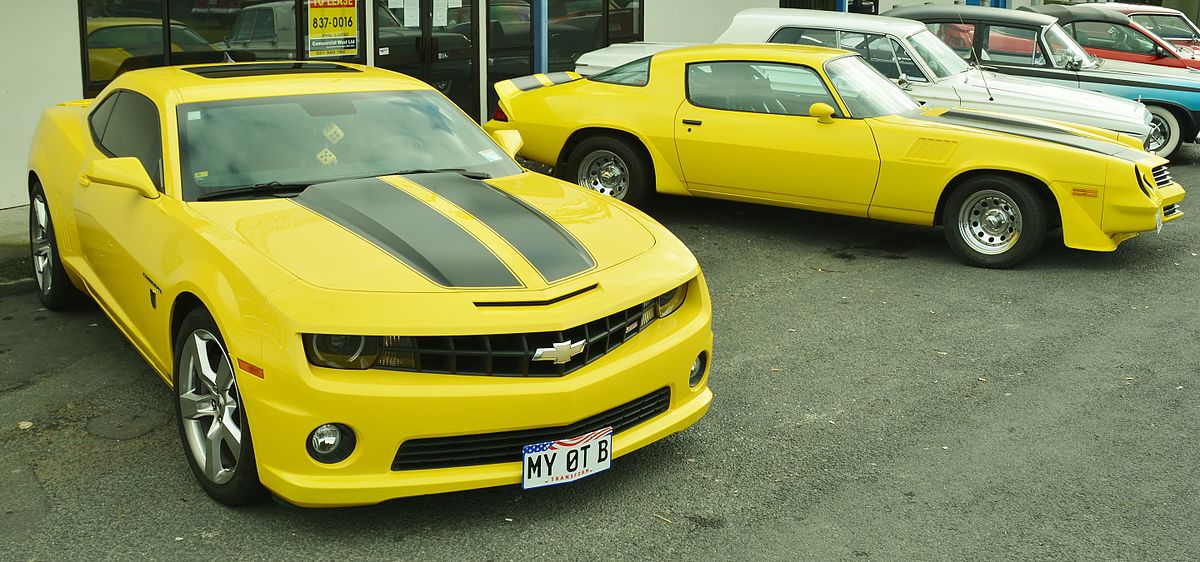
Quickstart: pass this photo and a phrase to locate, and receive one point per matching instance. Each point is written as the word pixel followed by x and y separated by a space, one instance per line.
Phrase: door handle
pixel 692 122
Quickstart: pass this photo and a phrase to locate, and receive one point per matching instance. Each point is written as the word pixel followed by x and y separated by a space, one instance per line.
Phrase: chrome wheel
pixel 605 172
pixel 41 245
pixel 990 222
pixel 209 406
pixel 1160 134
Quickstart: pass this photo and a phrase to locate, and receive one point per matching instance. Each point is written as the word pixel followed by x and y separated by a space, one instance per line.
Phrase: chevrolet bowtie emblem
pixel 562 352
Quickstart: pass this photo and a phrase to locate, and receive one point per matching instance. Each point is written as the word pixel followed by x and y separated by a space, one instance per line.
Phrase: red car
pixel 1168 23
pixel 1110 34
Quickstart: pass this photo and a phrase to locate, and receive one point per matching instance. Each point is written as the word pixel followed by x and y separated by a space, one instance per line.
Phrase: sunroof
pixel 266 69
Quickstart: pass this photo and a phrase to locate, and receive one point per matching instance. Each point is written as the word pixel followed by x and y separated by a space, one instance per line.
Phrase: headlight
pixel 670 301
pixel 341 352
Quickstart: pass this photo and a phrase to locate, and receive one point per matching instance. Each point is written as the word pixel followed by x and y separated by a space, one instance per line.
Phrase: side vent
pixel 932 151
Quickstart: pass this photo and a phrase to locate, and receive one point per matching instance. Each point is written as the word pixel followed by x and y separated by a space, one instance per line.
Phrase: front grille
pixel 1162 176
pixel 511 355
pixel 491 448
pixel 1171 210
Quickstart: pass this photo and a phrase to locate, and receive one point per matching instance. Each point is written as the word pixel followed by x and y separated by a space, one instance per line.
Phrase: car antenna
pixel 978 65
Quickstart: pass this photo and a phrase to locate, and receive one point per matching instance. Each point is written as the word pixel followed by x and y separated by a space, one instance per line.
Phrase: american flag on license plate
pixel 571 442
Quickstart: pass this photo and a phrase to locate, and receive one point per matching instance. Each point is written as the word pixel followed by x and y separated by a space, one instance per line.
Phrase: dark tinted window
pixel 756 87
pixel 264 25
pixel 99 118
pixel 133 130
pixel 801 36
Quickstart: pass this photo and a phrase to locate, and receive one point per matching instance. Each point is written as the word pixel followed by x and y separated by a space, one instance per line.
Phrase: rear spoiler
pixel 509 88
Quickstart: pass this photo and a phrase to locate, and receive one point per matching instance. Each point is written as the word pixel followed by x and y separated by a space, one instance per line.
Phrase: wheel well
pixel 1184 116
pixel 184 304
pixel 1054 215
pixel 582 134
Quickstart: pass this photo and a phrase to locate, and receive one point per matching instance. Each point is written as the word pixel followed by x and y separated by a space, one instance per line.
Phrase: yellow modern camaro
pixel 820 129
pixel 354 292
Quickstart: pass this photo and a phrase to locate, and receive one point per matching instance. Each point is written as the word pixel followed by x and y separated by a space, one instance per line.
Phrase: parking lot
pixel 875 398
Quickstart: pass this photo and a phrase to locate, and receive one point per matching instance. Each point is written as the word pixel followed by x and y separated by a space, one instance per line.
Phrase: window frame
pixel 986 33
pixel 158 178
pixel 838 111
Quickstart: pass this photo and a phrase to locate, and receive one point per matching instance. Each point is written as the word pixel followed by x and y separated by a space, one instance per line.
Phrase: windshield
pixel 1064 49
pixel 308 139
pixel 939 57
pixel 1167 26
pixel 865 91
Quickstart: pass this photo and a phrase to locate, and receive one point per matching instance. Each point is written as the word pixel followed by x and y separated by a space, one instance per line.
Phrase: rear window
pixel 636 73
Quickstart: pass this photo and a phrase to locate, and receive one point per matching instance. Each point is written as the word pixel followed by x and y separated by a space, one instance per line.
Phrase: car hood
pixel 1097 140
pixel 433 232
pixel 1028 97
pixel 1153 75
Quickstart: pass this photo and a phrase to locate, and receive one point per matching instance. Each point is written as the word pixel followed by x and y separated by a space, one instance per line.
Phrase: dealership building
pixel 460 46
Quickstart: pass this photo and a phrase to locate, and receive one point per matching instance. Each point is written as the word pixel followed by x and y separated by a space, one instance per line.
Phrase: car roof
pixel 225 81
pixel 1138 8
pixel 970 13
pixel 761 21
pixel 773 52
pixel 1069 14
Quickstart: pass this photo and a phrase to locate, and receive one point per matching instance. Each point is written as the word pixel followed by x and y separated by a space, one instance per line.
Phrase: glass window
pixel 877 50
pixel 908 66
pixel 309 139
pixel 802 36
pixel 575 27
pixel 939 57
pixel 636 73
pixel 1063 49
pixel 960 37
pixel 120 37
pixel 1167 26
pixel 624 21
pixel 1107 36
pixel 264 25
pixel 99 117
pixel 866 92
pixel 756 87
pixel 1013 45
pixel 133 130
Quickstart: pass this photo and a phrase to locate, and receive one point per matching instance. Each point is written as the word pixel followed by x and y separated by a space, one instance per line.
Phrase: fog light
pixel 331 443
pixel 698 369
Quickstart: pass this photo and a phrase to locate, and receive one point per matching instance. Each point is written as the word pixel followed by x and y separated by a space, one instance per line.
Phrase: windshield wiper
pixel 267 188
pixel 460 171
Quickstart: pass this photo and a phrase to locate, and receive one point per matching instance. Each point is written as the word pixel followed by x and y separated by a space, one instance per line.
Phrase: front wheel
pixel 994 221
pixel 54 287
pixel 1165 132
pixel 610 166
pixel 212 420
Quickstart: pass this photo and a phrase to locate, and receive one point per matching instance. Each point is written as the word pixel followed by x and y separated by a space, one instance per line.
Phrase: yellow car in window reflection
pixel 112 42
pixel 820 129
pixel 355 293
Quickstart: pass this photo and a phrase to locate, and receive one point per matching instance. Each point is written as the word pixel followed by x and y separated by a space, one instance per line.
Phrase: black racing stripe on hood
pixel 1033 130
pixel 548 246
pixel 409 230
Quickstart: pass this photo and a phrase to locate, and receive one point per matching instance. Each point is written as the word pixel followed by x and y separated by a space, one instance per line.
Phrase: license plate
pixel 566 460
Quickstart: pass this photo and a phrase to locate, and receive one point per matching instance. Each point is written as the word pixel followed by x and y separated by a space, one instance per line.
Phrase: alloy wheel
pixel 605 172
pixel 1160 134
pixel 990 222
pixel 41 246
pixel 209 406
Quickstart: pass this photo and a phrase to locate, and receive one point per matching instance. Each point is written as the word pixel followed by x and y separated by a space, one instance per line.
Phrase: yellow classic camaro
pixel 820 129
pixel 335 260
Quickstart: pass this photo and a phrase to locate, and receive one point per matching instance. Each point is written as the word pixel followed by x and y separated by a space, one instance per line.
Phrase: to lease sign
pixel 332 28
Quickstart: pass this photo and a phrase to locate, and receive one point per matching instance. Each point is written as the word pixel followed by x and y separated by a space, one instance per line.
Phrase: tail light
pixel 499 115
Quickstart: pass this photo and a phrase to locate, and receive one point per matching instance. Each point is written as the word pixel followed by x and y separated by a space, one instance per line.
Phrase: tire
pixel 206 393
pixel 1166 134
pixel 54 287
pixel 610 166
pixel 1015 224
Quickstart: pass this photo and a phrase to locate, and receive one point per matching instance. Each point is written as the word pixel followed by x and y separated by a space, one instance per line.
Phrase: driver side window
pixel 130 128
pixel 760 87
pixel 1012 45
pixel 1099 35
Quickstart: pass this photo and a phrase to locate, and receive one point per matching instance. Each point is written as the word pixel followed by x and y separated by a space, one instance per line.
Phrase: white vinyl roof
pixel 757 25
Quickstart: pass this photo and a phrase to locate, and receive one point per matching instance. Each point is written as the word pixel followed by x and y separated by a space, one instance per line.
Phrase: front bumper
pixel 386 408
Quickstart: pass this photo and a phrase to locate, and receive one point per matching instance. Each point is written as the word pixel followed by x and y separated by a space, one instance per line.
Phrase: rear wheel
pixel 1166 134
pixel 212 420
pixel 54 287
pixel 610 166
pixel 994 221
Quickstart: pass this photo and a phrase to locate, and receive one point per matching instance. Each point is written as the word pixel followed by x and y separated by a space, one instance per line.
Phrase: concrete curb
pixel 17 286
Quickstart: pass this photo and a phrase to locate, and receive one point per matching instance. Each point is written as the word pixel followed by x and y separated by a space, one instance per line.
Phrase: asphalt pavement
pixel 874 399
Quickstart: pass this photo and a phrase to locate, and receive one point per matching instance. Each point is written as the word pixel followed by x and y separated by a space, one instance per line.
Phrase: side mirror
pixel 1159 52
pixel 1074 63
pixel 509 140
pixel 126 172
pixel 904 82
pixel 822 111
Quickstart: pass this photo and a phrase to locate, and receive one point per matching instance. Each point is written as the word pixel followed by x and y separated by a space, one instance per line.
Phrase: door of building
pixel 433 40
